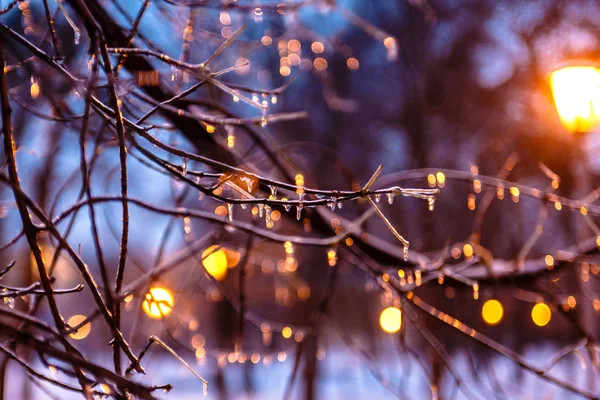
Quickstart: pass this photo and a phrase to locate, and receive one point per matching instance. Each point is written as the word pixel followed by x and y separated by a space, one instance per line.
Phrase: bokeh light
pixel 541 314
pixel 215 262
pixel 158 303
pixel 82 332
pixel 390 320
pixel 576 91
pixel 492 312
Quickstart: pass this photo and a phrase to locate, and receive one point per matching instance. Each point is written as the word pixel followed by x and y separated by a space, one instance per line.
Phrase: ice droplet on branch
pixel 299 206
pixel 431 203
pixel 332 202
pixel 184 161
pixel 390 197
pixel 273 189
pixel 405 252
pixel 230 211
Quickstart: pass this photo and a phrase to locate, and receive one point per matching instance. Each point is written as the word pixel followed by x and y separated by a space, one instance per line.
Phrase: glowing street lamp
pixel 576 92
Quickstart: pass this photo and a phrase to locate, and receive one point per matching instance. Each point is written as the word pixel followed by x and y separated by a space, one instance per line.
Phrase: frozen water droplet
pixel 184 161
pixel 249 183
pixel 10 302
pixel 287 207
pixel 377 197
pixel 243 205
pixel 263 121
pixel 76 36
pixel 205 389
pixel 332 203
pixel 261 210
pixel 431 203
pixel 273 189
pixel 254 98
pixel 274 99
pixel 187 228
pixel 299 206
pixel 230 211
pixel 340 204
pixel 390 197
pixel 405 253
pixel 267 215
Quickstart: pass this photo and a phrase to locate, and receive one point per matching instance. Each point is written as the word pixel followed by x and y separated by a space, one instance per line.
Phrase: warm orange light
pixel 492 312
pixel 215 262
pixel 158 303
pixel 81 332
pixel 576 92
pixel 390 320
pixel 286 332
pixel 541 314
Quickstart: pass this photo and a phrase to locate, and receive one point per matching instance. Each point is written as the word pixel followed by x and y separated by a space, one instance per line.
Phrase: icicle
pixel 390 197
pixel 184 161
pixel 249 183
pixel 76 36
pixel 273 190
pixel 287 207
pixel 340 204
pixel 299 206
pixel 274 99
pixel 267 335
pixel 392 48
pixel 267 215
pixel 243 205
pixel 10 302
pixel 230 211
pixel 205 389
pixel 254 97
pixel 405 252
pixel 331 205
pixel 261 209
pixel 264 108
pixel 431 203
pixel 231 139
pixel 263 117
pixel 377 197
pixel 187 227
